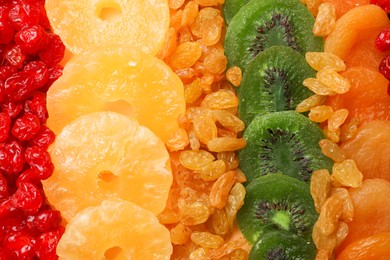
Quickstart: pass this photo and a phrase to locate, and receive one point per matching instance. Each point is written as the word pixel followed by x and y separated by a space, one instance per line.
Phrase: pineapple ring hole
pixel 108 10
pixel 112 253
pixel 107 176
pixel 120 106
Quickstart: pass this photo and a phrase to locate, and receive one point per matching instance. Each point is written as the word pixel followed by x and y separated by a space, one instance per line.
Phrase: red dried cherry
pixel 27 198
pixel 47 243
pixel 11 157
pixel 3 187
pixel 15 56
pixel 43 138
pixel 23 15
pixel 6 29
pixel 54 51
pixel 30 39
pixel 5 123
pixel 47 220
pixel 12 108
pixel 384 67
pixel 26 127
pixel 38 71
pixel 39 160
pixel 19 86
pixel 382 42
pixel 22 244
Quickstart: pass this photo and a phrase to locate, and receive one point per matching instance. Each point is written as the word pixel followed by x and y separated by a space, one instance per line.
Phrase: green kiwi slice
pixel 283 142
pixel 277 202
pixel 273 82
pixel 231 7
pixel 282 245
pixel 259 25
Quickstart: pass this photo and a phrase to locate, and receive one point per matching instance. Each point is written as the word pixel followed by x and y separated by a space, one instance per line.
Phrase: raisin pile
pixel 30 54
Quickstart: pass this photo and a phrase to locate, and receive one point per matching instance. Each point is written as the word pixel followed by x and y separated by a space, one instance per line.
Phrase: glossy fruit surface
pixel 95 161
pixel 122 79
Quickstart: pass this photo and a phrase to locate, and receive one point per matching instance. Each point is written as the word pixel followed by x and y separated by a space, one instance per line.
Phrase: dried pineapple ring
pixel 82 23
pixel 107 155
pixel 116 229
pixel 118 78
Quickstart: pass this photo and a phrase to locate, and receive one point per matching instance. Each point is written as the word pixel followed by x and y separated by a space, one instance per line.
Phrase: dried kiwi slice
pixel 282 245
pixel 283 142
pixel 231 7
pixel 261 24
pixel 273 82
pixel 277 202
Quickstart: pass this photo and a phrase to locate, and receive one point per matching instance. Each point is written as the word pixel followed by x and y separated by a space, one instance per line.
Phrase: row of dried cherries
pixel 30 54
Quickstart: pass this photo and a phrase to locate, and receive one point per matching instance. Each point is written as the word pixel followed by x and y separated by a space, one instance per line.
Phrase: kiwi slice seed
pixel 277 202
pixel 282 245
pixel 283 142
pixel 259 25
pixel 273 82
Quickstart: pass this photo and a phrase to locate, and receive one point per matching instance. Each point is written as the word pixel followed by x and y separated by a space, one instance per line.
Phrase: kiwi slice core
pixel 273 82
pixel 285 142
pixel 259 25
pixel 277 202
pixel 282 245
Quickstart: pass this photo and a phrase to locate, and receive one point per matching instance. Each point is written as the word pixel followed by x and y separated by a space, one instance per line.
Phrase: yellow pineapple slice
pixel 84 23
pixel 116 229
pixel 107 155
pixel 122 79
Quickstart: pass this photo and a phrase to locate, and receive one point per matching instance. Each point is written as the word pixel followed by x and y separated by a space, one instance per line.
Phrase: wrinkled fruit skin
pixel 30 53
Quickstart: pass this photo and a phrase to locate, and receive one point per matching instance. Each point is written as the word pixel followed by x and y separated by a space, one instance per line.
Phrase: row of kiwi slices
pixel 267 39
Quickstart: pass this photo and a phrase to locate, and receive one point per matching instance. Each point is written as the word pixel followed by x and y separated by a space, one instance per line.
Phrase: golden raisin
pixel 226 144
pixel 337 119
pixel 194 213
pixel 349 129
pixel 230 159
pixel 221 99
pixel 347 212
pixel 334 136
pixel 325 20
pixel 310 102
pixel 234 202
pixel 213 170
pixel 190 12
pixel 330 214
pixel 218 223
pixel 193 91
pixel 185 55
pixel 205 128
pixel 206 239
pixel 325 60
pixel 220 190
pixel 228 120
pixel 320 113
pixel 334 81
pixel 234 75
pixel 195 160
pixel 199 254
pixel 180 234
pixel 320 187
pixel 239 254
pixel 347 174
pixel 215 62
pixel 318 87
pixel 332 150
